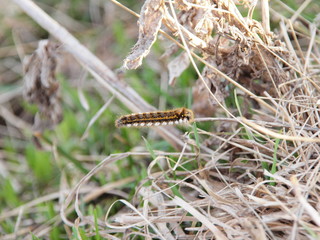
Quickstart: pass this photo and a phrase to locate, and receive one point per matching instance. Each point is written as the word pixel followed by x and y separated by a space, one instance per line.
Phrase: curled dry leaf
pixel 177 66
pixel 197 19
pixel 149 25
pixel 182 5
pixel 41 87
pixel 190 35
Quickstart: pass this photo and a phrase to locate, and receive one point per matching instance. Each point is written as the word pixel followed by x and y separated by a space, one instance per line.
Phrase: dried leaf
pixel 149 25
pixel 177 66
pixel 198 20
pixel 191 38
pixel 41 87
pixel 183 5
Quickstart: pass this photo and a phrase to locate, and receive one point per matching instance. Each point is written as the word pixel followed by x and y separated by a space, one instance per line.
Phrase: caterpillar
pixel 158 118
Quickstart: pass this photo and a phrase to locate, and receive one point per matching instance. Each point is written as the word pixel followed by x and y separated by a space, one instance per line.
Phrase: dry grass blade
pixel 203 219
pixel 311 211
pixel 278 135
pixel 74 194
pixel 158 234
pixel 95 117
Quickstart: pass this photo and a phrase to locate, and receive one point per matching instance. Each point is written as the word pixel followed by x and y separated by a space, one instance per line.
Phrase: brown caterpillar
pixel 158 118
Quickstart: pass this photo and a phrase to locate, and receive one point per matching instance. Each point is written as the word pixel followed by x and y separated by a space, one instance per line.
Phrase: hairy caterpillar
pixel 158 118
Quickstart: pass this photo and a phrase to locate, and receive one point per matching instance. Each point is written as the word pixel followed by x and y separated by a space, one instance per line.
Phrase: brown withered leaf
pixel 149 24
pixel 182 5
pixel 41 87
pixel 198 20
pixel 177 66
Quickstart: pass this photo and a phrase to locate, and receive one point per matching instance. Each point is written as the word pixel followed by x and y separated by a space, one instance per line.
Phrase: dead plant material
pixel 242 49
pixel 149 25
pixel 41 86
pixel 177 66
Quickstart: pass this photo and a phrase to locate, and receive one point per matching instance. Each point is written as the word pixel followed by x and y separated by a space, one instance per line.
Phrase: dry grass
pixel 257 174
